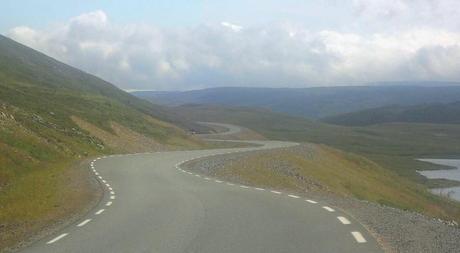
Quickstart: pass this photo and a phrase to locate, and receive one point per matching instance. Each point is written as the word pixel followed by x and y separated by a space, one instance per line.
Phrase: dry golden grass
pixel 124 140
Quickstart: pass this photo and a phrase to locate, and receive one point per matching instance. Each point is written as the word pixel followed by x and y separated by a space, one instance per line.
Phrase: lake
pixel 453 174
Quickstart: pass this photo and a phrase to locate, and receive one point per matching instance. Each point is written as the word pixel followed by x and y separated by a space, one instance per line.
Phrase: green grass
pixel 319 167
pixel 448 113
pixel 39 140
pixel 393 146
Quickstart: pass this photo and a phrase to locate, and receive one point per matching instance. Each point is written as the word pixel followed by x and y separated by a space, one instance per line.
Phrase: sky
pixel 183 45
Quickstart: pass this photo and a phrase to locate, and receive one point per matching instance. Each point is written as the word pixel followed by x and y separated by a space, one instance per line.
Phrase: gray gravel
pixel 397 230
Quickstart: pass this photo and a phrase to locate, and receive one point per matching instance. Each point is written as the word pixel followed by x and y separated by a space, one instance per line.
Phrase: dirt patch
pixel 123 140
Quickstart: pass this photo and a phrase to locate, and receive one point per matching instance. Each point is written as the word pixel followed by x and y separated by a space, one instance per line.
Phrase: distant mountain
pixel 426 113
pixel 316 102
pixel 52 115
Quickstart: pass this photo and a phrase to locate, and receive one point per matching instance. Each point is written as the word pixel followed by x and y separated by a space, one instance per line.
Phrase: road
pixel 230 129
pixel 152 205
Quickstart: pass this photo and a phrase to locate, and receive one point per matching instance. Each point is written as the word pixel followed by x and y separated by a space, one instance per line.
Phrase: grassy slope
pixel 385 172
pixel 39 141
pixel 313 167
pixel 426 113
pixel 394 146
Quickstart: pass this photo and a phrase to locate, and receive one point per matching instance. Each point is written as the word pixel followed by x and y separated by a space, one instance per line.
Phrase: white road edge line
pixel 328 209
pixel 311 201
pixel 344 220
pixel 57 238
pixel 100 211
pixel 83 223
pixel 358 237
pixel 293 196
pixel 276 192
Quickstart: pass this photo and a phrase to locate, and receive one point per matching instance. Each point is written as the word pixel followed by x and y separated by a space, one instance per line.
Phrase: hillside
pixel 392 146
pixel 318 102
pixel 321 169
pixel 426 113
pixel 53 115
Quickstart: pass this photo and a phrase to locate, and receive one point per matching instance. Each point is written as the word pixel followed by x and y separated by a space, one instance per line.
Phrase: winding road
pixel 152 205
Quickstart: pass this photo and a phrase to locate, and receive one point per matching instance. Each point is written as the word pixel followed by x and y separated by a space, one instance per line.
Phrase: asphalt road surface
pixel 152 205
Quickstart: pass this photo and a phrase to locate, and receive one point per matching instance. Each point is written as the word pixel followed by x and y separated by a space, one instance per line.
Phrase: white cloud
pixel 393 14
pixel 138 56
pixel 381 8
pixel 233 27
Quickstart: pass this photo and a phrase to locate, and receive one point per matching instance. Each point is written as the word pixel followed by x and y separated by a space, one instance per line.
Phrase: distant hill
pixel 427 113
pixel 393 145
pixel 315 102
pixel 52 115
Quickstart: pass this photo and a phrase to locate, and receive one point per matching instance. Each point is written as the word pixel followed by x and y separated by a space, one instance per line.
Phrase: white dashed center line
pixel 259 189
pixel 100 211
pixel 244 186
pixel 207 178
pixel 57 238
pixel 112 192
pixel 358 237
pixel 344 220
pixel 83 223
pixel 275 192
pixel 218 181
pixel 293 196
pixel 311 201
pixel 109 203
pixel 328 209
pixel 112 197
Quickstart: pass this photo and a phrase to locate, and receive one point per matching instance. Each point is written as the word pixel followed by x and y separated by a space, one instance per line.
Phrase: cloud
pixel 397 13
pixel 139 56
pixel 381 8
pixel 233 27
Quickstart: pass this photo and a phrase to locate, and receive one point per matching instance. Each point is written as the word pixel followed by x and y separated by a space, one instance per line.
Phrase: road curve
pixel 152 205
